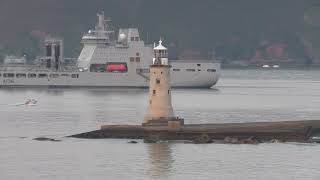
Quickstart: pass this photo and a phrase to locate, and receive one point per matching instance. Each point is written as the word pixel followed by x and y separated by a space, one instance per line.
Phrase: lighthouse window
pixel 211 70
pixel 21 75
pixel 43 75
pixel 198 64
pixel 137 59
pixel 154 92
pixel 137 38
pixel 137 54
pixel 191 70
pixel 131 59
pixel 8 75
pixel 176 69
pixel 32 75
pixel 132 38
pixel 158 81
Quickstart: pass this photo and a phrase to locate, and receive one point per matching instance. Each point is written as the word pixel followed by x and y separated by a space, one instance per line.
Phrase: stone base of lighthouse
pixel 174 122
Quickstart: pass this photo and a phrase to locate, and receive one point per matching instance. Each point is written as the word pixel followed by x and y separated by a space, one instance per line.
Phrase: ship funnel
pixel 54 53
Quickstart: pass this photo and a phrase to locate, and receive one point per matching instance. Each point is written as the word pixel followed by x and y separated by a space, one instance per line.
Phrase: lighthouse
pixel 160 111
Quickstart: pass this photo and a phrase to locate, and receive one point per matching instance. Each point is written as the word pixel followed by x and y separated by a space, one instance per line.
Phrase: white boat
pixel 105 62
pixel 29 102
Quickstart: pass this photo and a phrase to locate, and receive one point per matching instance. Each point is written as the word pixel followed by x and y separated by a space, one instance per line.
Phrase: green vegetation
pixel 236 29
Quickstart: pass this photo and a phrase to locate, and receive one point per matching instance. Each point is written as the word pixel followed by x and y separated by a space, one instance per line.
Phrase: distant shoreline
pixel 281 66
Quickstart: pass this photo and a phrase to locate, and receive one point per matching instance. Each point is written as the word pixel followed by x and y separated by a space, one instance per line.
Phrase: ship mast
pixel 101 28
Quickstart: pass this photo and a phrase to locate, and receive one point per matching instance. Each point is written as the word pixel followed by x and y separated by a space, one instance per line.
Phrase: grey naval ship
pixel 122 61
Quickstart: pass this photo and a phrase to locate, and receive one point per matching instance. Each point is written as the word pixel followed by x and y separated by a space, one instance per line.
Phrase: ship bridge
pixel 99 48
pixel 100 34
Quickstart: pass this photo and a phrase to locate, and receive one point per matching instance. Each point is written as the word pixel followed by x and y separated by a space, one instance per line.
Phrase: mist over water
pixel 240 96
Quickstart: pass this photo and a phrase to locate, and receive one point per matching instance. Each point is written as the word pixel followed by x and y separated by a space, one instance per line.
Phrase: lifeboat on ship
pixel 116 67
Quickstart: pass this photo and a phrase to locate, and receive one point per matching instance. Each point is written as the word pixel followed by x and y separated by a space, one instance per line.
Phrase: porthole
pixel 74 75
pixel 43 75
pixel 20 75
pixel 8 75
pixel 211 70
pixel 54 75
pixel 32 75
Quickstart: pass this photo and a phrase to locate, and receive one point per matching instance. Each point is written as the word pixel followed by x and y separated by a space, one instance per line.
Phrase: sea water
pixel 240 96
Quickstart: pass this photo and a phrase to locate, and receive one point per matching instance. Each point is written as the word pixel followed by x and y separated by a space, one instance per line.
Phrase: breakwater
pixel 236 133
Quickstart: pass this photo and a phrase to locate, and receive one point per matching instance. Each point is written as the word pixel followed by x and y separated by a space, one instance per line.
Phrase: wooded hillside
pixel 238 30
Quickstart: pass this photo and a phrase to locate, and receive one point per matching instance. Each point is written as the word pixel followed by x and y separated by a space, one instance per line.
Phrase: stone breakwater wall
pixel 235 133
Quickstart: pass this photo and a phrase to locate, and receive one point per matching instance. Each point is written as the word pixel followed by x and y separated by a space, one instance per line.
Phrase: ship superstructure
pixel 106 62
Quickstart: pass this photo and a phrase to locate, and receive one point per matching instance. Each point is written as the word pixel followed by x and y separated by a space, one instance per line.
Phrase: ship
pixel 120 60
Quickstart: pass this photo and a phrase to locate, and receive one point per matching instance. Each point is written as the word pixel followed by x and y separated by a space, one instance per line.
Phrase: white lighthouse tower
pixel 160 111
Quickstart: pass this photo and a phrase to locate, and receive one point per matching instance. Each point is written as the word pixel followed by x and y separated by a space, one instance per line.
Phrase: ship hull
pixel 199 78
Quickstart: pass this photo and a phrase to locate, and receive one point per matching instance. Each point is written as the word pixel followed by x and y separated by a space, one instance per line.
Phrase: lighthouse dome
pixel 160 46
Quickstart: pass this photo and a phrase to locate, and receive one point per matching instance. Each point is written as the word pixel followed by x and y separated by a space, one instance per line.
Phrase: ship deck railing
pixel 34 68
pixel 193 60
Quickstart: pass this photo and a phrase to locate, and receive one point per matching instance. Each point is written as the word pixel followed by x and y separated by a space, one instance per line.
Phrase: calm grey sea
pixel 240 96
